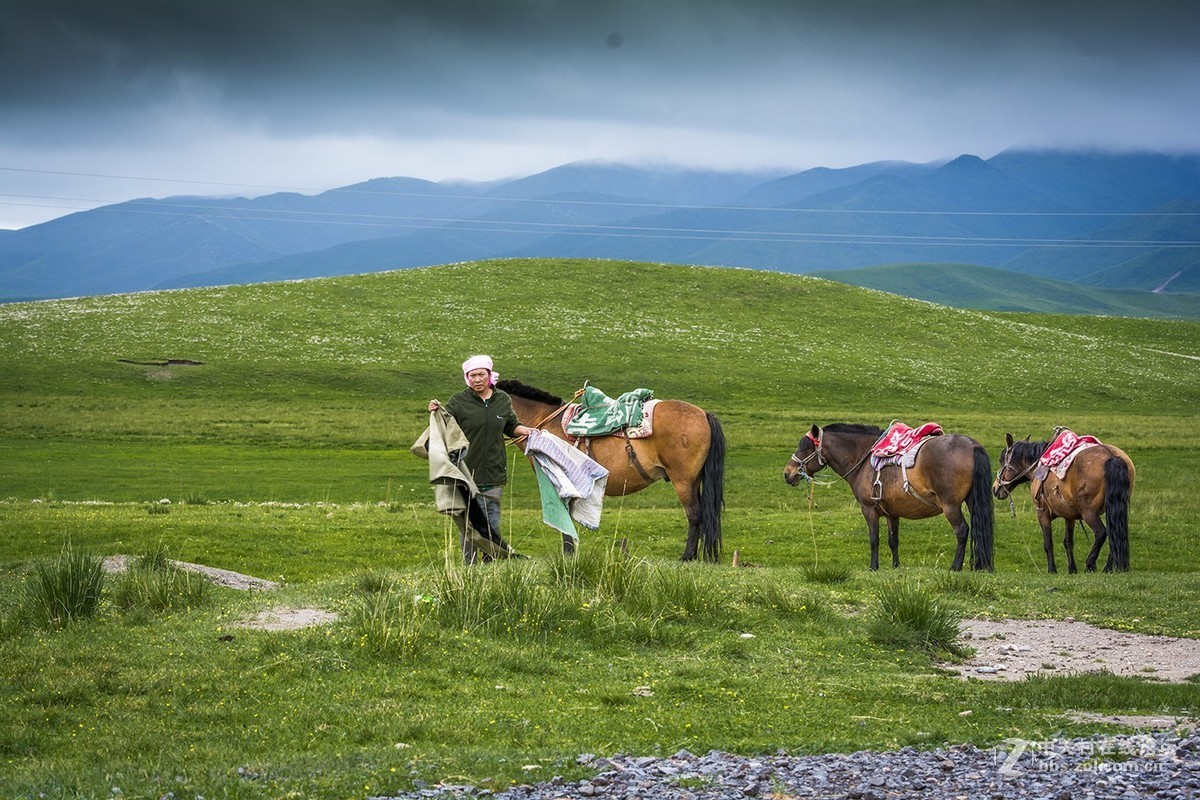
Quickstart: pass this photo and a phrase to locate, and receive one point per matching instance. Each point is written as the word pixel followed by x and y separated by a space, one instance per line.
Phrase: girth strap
pixel 877 486
pixel 633 459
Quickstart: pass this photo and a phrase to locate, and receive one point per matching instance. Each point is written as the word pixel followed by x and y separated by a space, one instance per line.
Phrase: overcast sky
pixel 107 100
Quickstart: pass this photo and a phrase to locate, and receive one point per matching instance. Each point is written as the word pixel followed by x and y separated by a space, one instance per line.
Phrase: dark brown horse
pixel 1099 480
pixel 687 449
pixel 949 470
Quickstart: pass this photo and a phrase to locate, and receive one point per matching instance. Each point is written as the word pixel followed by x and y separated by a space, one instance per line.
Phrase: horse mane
pixel 1028 452
pixel 853 427
pixel 519 389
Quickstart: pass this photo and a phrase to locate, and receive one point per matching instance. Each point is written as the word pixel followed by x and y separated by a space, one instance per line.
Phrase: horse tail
pixel 1117 489
pixel 979 503
pixel 712 490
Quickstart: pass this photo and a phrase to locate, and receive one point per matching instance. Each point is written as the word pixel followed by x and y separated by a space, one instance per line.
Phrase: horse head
pixel 807 459
pixel 1016 461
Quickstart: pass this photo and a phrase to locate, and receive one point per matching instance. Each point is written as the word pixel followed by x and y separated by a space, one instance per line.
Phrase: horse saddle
pixel 899 446
pixel 1059 454
pixel 900 439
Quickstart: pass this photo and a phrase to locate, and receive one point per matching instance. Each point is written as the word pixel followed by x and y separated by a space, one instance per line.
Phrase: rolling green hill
pixel 987 288
pixel 349 364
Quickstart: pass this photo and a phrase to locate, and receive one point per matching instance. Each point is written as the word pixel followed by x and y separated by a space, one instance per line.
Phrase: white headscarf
pixel 480 362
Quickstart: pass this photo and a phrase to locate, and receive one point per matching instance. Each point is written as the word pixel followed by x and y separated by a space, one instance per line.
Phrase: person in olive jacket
pixel 485 415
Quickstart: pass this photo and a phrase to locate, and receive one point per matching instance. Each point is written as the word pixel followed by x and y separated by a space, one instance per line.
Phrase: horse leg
pixel 872 518
pixel 686 493
pixel 1069 546
pixel 893 524
pixel 1048 546
pixel 1044 520
pixel 956 519
pixel 1093 521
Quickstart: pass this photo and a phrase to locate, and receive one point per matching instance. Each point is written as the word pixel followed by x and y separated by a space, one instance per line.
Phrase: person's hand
pixel 434 405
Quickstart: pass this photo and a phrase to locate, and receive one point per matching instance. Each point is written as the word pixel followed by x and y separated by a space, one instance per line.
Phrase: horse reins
pixel 552 414
pixel 816 440
pixel 1011 482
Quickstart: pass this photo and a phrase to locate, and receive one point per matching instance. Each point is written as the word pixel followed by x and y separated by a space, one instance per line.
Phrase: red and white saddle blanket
pixel 642 431
pixel 900 438
pixel 1059 454
pixel 900 444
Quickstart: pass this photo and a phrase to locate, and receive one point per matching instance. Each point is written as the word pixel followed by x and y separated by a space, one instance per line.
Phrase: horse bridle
pixel 1011 482
pixel 802 463
pixel 816 440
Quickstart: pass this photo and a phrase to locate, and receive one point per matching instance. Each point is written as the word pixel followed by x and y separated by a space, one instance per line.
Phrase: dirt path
pixel 1011 650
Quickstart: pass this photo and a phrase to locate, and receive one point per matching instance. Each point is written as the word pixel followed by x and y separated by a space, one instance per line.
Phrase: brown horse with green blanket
pixel 687 449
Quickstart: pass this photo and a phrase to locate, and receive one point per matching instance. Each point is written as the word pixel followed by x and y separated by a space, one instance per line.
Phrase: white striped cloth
pixel 578 479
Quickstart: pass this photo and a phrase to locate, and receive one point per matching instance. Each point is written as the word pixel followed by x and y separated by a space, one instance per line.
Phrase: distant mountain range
pixel 1108 221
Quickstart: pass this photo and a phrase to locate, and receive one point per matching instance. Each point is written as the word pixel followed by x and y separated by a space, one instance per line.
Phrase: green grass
pixel 63 591
pixel 284 456
pixel 909 615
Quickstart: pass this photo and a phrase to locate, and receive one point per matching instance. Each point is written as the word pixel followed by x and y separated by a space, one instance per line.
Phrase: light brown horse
pixel 949 470
pixel 687 449
pixel 1099 480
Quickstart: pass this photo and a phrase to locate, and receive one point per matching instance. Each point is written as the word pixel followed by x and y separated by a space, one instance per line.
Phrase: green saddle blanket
pixel 599 415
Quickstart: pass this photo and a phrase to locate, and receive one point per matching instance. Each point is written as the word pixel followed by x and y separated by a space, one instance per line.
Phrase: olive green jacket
pixel 485 425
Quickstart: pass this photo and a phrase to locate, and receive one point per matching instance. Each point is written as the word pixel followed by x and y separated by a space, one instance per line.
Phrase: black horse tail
pixel 979 503
pixel 1117 489
pixel 712 490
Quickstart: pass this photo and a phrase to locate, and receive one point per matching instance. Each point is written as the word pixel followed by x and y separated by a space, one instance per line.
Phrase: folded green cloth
pixel 600 415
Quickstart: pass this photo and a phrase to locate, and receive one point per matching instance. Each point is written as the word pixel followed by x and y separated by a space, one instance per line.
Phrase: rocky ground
pixel 1164 765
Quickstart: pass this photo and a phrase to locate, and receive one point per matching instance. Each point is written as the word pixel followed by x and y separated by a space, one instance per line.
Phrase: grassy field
pixel 283 455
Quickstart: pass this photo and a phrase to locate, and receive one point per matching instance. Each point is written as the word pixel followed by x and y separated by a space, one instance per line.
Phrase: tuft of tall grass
pixel 598 573
pixel 598 595
pixel 503 597
pixel 772 596
pixel 390 623
pixel 155 583
pixel 827 573
pixel 374 582
pixel 908 615
pixel 969 584
pixel 64 590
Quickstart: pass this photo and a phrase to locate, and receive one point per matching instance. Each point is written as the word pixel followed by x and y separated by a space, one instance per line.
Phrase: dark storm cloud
pixel 316 94
pixel 311 65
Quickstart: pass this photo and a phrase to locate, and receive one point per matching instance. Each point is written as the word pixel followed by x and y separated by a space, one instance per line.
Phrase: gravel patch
pixel 223 577
pixel 1164 765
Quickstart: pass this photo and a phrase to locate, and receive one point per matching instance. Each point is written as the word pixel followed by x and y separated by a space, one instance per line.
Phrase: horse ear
pixel 816 432
pixel 1008 439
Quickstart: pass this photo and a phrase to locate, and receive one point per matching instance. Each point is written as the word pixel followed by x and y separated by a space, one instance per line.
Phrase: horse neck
pixel 843 452
pixel 532 413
